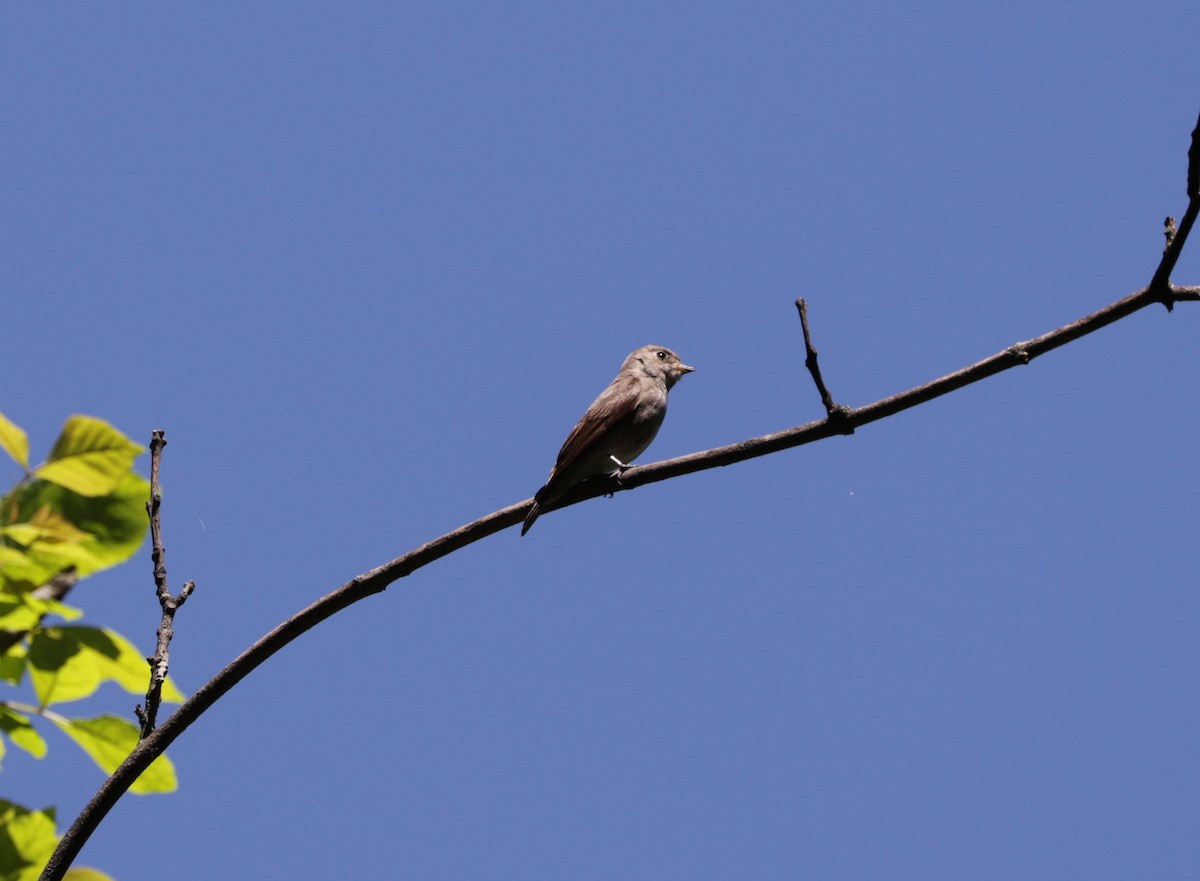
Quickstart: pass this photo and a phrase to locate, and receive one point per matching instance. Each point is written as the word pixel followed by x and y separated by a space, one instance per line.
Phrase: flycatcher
pixel 617 427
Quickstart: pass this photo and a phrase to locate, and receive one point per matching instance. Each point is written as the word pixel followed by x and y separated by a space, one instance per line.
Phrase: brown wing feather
pixel 616 404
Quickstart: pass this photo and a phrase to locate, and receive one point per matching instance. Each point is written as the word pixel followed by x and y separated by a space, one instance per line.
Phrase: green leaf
pixel 21 573
pixel 59 669
pixel 16 613
pixel 10 557
pixel 110 527
pixel 12 665
pixel 14 441
pixel 27 838
pixel 69 663
pixel 54 607
pixel 21 615
pixel 21 732
pixel 109 740
pixel 86 874
pixel 44 526
pixel 20 611
pixel 90 457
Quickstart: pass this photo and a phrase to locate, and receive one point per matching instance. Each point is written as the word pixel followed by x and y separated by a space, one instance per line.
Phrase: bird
pixel 617 427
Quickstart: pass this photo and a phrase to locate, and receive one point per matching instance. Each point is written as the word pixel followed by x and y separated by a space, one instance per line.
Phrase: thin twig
pixel 1160 290
pixel 1161 283
pixel 1193 177
pixel 833 412
pixel 160 661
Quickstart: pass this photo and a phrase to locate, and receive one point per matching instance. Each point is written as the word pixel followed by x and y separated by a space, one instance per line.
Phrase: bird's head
pixel 658 362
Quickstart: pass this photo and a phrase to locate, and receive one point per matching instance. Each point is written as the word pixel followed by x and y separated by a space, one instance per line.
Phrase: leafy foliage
pixel 80 511
pixel 27 838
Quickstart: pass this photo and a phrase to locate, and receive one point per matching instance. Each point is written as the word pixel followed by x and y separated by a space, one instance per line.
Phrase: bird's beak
pixel 683 368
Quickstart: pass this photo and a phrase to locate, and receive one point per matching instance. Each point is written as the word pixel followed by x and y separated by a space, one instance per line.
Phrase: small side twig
pixel 1160 284
pixel 836 413
pixel 1193 176
pixel 160 660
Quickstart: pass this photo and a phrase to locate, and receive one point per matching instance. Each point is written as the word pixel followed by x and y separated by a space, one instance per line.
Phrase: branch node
pixel 1019 353
pixel 839 419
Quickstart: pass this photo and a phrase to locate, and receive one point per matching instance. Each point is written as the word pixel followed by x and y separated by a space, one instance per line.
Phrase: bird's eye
pixel 661 355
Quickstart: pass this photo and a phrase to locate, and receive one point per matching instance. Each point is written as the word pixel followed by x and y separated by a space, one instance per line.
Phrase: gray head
pixel 657 363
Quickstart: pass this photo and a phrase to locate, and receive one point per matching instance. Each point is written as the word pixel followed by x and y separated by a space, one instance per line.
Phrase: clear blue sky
pixel 366 264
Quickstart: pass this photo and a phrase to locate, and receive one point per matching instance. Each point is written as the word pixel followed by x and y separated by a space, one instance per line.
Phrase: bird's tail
pixel 530 517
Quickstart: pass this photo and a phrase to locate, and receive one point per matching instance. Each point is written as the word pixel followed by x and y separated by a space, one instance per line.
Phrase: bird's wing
pixel 616 404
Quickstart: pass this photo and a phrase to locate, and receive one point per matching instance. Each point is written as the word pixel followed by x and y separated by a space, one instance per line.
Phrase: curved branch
pixel 377 580
pixel 840 421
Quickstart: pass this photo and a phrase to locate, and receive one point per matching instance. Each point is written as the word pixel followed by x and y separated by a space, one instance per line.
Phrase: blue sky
pixel 367 264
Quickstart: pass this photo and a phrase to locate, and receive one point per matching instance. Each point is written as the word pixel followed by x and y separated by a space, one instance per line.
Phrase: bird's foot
pixel 620 469
pixel 616 473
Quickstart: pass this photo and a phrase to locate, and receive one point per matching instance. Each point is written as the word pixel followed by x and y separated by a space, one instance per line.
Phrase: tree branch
pixel 160 661
pixel 839 420
pixel 835 412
